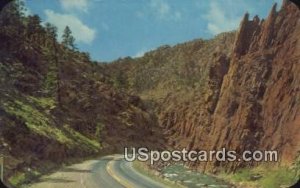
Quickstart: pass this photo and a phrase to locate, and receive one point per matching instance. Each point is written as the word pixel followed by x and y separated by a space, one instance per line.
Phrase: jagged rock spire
pixel 268 30
pixel 245 18
pixel 256 19
pixel 273 11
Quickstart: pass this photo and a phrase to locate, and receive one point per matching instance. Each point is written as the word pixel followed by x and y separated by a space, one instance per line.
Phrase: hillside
pixel 56 105
pixel 167 69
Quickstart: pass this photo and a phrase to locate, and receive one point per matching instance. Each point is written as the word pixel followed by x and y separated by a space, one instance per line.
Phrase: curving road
pixel 107 172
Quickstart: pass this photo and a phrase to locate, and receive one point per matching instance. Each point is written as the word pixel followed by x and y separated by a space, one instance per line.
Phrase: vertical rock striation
pixel 252 101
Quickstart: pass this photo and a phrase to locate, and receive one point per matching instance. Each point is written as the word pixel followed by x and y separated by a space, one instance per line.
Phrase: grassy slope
pixel 271 176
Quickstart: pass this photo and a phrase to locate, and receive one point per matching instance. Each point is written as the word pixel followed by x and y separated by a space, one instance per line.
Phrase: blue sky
pixel 109 29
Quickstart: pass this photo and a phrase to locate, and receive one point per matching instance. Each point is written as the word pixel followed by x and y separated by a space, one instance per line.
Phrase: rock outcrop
pixel 262 85
pixel 255 104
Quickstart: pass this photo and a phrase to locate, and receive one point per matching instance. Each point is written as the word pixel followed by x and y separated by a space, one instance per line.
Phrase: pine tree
pixel 68 39
pixel 35 31
pixel 51 31
pixel 34 24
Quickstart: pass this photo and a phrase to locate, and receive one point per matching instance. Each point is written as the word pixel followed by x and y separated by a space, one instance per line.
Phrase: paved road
pixel 107 172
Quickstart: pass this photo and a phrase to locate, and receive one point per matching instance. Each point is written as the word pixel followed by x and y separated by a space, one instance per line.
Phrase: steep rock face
pixel 256 104
pixel 188 123
pixel 259 104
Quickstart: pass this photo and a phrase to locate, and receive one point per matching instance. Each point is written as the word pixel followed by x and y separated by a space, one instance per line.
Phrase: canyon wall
pixel 239 90
pixel 251 99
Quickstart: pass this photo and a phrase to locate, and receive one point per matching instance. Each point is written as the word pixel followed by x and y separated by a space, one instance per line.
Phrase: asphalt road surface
pixel 107 172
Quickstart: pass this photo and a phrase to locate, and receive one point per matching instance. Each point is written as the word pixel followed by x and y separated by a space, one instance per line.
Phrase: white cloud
pixel 81 32
pixel 142 52
pixel 163 10
pixel 69 5
pixel 219 20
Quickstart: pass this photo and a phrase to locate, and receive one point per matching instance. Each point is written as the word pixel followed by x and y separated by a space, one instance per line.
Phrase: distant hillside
pixel 168 69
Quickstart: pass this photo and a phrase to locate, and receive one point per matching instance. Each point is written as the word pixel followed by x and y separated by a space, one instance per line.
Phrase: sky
pixel 112 29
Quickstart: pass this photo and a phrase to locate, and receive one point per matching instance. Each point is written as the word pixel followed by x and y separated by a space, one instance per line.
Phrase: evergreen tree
pixel 34 25
pixel 68 39
pixel 35 32
pixel 51 30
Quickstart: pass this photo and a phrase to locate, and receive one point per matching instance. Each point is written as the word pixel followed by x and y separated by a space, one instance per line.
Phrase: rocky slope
pixel 56 105
pixel 239 91
pixel 262 86
pixel 257 103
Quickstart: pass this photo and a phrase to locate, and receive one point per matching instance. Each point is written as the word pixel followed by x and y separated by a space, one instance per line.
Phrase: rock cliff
pixel 239 90
pixel 252 101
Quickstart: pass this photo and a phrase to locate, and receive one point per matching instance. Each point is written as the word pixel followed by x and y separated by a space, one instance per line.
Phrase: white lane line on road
pixel 82 181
